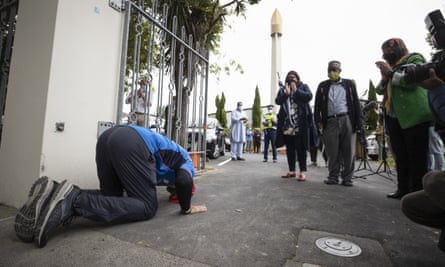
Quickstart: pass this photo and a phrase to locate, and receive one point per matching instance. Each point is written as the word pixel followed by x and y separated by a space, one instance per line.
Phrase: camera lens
pixel 418 73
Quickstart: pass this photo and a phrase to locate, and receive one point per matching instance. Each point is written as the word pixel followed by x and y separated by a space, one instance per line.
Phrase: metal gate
pixel 8 15
pixel 164 78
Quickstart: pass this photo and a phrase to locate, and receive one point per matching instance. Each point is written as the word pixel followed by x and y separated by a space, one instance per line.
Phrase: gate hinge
pixel 118 5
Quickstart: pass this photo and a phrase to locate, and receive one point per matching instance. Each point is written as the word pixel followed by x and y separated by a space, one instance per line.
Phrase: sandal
pixel 289 175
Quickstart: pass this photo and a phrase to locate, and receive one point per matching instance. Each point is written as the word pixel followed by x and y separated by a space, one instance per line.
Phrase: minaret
pixel 276 32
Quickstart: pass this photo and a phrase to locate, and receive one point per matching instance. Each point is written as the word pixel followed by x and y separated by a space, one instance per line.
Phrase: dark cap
pixel 334 64
pixel 292 72
pixel 395 46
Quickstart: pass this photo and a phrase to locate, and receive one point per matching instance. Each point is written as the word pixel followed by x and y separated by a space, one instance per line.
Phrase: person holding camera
pixel 407 116
pixel 295 123
pixel 427 206
pixel 337 116
pixel 139 103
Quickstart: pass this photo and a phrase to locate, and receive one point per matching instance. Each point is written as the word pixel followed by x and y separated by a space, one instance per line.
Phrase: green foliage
pixel 220 110
pixel 371 116
pixel 202 20
pixel 223 120
pixel 256 110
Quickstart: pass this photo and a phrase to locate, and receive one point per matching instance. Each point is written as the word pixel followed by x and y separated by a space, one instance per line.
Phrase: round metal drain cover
pixel 338 247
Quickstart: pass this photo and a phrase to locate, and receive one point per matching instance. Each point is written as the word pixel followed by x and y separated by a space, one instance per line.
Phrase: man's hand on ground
pixel 198 209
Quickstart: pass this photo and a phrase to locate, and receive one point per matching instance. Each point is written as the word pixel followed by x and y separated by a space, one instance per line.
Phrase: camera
pixel 289 81
pixel 435 24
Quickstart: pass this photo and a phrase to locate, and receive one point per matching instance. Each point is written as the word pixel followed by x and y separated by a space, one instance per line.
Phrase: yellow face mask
pixel 334 75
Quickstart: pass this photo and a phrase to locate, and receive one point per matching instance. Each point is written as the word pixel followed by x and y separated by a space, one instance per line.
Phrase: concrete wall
pixel 65 68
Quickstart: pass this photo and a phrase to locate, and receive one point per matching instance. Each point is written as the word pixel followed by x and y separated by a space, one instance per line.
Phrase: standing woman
pixel 295 122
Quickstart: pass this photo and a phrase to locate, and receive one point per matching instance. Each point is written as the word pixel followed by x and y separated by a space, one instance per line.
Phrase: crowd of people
pixel 411 112
pixel 133 160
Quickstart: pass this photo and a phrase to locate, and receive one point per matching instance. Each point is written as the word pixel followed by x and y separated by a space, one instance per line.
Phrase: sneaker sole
pixel 41 235
pixel 26 219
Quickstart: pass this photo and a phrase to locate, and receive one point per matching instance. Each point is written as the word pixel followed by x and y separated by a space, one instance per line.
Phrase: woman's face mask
pixel 391 58
pixel 334 75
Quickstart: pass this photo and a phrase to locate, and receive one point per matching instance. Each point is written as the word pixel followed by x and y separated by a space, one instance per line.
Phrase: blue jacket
pixel 436 100
pixel 169 155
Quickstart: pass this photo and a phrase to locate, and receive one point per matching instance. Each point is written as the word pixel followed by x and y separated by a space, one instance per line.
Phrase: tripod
pixel 385 172
pixel 364 163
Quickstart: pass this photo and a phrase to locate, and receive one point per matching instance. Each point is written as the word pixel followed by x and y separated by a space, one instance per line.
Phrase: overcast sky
pixel 315 32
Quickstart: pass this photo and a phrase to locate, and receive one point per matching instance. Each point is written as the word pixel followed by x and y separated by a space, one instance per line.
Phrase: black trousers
pixel 410 147
pixel 124 164
pixel 295 150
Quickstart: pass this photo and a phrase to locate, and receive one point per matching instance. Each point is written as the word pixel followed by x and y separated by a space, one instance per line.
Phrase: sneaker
pixel 346 183
pixel 330 182
pixel 59 210
pixel 26 219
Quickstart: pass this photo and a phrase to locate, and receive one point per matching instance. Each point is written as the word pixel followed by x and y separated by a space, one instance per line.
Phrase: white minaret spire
pixel 276 32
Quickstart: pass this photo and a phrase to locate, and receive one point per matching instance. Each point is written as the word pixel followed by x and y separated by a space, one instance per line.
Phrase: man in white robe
pixel 238 132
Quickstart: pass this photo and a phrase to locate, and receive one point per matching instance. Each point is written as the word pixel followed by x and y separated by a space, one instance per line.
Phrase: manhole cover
pixel 338 247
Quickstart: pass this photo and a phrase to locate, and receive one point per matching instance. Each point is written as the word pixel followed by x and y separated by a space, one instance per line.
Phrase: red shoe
pixel 302 177
pixel 173 198
pixel 289 175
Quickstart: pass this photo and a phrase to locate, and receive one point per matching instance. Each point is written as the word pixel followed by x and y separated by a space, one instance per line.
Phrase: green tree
pixel 256 109
pixel 204 21
pixel 220 110
pixel 371 116
pixel 223 120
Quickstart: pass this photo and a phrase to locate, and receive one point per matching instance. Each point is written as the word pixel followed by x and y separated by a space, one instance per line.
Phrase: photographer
pixel 139 103
pixel 427 206
pixel 407 116
pixel 295 123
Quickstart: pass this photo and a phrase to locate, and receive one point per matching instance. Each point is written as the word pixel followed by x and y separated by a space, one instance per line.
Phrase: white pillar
pixel 64 68
pixel 276 32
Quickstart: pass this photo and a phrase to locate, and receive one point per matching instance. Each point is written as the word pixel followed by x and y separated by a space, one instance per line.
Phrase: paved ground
pixel 254 218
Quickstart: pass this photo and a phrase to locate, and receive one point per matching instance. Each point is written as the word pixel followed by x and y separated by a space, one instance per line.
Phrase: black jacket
pixel 321 103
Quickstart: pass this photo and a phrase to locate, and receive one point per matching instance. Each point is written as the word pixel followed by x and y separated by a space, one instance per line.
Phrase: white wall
pixel 65 68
